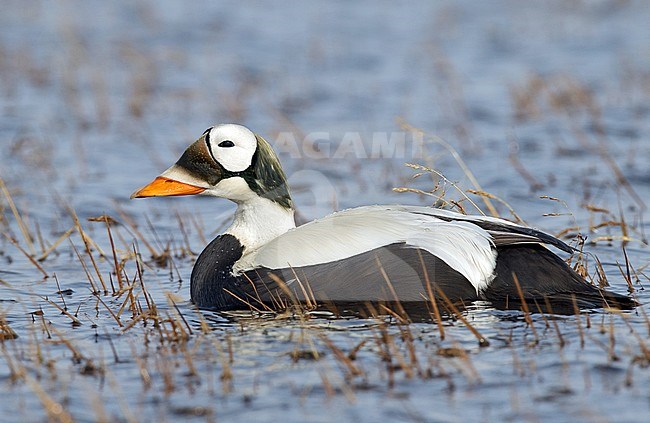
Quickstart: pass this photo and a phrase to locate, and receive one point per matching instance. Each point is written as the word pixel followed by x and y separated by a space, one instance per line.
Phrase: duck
pixel 369 254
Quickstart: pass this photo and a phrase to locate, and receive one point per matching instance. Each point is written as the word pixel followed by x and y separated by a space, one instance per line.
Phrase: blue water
pixel 538 100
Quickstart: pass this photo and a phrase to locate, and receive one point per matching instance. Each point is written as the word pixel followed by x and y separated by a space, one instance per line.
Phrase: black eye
pixel 226 143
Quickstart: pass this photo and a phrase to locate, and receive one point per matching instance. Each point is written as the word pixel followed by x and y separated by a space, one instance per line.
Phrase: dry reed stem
pixel 75 321
pixel 439 198
pixel 19 219
pixel 534 184
pixel 58 287
pixel 408 338
pixel 307 295
pixel 401 310
pixel 54 409
pixel 133 227
pixel 645 350
pixel 553 320
pixel 77 356
pixel 327 385
pixel 341 356
pixel 186 238
pixel 524 306
pixel 603 151
pixel 468 365
pixel 612 340
pixel 398 318
pixel 251 306
pixel 27 255
pixel 140 316
pixel 285 288
pixel 6 332
pixel 138 266
pixel 432 298
pixel 55 244
pixel 17 372
pixel 628 273
pixel 444 178
pixel 199 229
pixel 482 341
pixel 500 200
pixel 85 268
pixel 117 268
pixel 116 357
pixel 113 315
pixel 404 125
pixel 394 353
pixel 171 300
pixel 578 322
pixel 87 240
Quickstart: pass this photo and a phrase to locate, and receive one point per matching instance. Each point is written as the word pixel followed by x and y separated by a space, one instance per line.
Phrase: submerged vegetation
pixel 95 323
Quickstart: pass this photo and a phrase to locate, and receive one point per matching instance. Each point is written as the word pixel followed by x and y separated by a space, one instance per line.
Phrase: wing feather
pixel 463 245
pixel 498 228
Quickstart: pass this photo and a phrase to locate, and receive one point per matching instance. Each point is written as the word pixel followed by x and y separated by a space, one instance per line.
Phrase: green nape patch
pixel 266 177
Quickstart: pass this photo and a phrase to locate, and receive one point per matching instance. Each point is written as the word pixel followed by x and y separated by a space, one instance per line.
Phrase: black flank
pixel 543 276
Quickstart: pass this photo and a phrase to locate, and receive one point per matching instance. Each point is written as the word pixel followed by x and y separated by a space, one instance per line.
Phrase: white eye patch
pixel 233 146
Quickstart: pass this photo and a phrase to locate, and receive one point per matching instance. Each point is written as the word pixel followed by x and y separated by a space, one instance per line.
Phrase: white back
pixel 463 246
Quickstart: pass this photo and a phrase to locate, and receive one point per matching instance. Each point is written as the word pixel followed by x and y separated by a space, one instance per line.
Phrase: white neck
pixel 258 220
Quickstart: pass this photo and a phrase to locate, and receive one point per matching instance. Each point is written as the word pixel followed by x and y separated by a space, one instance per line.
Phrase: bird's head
pixel 228 161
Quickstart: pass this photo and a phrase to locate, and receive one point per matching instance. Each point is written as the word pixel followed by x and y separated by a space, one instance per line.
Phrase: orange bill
pixel 164 187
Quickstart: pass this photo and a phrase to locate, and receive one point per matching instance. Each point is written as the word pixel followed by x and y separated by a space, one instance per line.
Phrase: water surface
pixel 97 98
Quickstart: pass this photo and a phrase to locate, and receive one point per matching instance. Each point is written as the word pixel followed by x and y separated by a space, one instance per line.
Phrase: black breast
pixel 212 284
